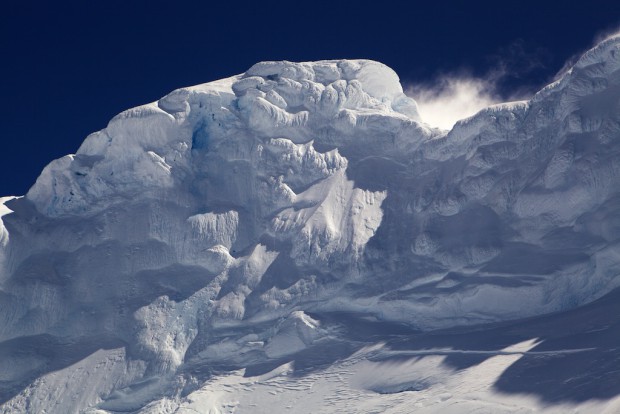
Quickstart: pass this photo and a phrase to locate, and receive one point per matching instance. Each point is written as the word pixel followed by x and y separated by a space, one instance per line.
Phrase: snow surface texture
pixel 209 231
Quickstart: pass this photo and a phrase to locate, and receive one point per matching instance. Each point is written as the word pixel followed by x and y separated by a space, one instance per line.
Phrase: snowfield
pixel 298 239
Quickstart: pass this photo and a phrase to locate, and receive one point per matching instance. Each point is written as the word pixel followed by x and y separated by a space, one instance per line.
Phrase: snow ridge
pixel 205 227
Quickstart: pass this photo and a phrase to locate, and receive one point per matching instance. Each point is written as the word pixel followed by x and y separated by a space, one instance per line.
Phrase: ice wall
pixel 301 187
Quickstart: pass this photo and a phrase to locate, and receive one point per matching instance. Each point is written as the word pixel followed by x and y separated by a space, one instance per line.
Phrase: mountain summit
pixel 238 223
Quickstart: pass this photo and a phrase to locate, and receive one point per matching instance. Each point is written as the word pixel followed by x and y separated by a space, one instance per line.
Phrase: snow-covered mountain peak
pixel 216 226
pixel 148 147
pixel 376 79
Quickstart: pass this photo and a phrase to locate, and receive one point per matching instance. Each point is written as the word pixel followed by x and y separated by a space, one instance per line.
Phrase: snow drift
pixel 204 228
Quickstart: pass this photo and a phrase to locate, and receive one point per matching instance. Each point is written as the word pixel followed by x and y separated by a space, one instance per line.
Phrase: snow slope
pixel 220 227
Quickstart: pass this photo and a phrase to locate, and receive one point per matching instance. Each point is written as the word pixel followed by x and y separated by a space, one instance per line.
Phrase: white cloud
pixel 452 98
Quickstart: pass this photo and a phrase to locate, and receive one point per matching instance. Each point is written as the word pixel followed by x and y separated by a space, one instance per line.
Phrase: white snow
pixel 200 235
pixel 357 384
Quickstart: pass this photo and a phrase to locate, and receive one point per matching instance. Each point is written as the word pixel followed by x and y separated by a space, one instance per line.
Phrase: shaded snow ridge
pixel 205 229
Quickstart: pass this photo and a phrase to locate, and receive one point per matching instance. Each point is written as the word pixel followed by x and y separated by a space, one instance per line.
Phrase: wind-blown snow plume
pixel 452 98
pixel 460 94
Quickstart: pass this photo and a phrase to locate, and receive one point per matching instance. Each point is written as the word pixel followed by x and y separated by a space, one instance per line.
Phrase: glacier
pixel 289 223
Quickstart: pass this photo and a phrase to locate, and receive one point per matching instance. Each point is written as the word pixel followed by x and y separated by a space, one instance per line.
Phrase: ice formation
pixel 205 229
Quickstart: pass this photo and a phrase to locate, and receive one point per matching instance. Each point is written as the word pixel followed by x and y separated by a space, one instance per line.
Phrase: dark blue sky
pixel 67 68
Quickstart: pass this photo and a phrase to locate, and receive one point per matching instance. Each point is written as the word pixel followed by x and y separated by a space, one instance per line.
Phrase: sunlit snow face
pixel 450 99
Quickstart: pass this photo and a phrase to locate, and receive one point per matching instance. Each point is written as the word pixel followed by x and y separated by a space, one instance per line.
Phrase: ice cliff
pixel 247 204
